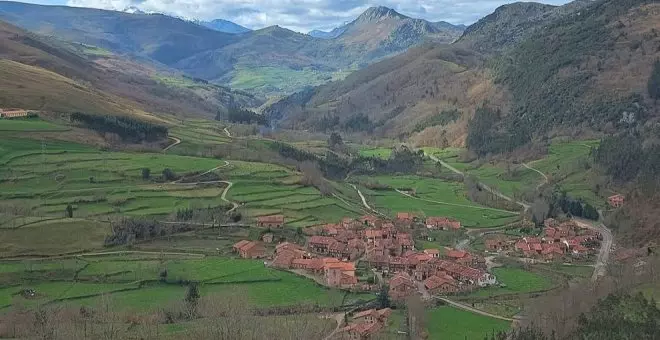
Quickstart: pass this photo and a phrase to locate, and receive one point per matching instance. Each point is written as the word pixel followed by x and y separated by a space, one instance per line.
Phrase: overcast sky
pixel 301 15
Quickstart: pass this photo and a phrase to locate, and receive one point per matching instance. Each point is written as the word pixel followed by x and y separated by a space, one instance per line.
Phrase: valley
pixel 394 178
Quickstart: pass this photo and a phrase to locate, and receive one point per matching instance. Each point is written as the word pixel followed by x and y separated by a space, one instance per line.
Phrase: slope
pixel 93 80
pixel 587 65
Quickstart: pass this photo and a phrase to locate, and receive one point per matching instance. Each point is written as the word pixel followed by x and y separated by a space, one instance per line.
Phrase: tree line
pixel 128 129
pixel 243 116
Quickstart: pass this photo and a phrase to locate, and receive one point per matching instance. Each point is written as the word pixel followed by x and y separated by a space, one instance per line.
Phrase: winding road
pixel 545 178
pixel 227 132
pixel 177 141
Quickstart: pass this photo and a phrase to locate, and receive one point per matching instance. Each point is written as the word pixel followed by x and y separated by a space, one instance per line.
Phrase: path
pixel 605 247
pixel 224 196
pixel 474 310
pixel 545 178
pixel 339 317
pixel 443 163
pixel 455 204
pixel 202 174
pixel 364 202
pixel 177 141
pixel 227 132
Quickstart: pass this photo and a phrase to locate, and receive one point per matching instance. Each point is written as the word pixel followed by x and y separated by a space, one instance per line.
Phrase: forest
pixel 128 129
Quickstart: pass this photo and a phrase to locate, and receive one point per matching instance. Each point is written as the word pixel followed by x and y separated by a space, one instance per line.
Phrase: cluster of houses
pixel 386 247
pixel 558 241
pixel 365 324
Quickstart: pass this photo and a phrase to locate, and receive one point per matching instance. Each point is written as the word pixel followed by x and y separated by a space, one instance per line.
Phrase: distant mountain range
pixel 224 26
pixel 268 61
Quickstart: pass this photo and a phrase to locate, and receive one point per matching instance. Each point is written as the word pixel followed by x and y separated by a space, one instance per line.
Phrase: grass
pixel 383 153
pixel 269 80
pixel 449 323
pixel 53 238
pixel 516 281
pixel 29 125
pixel 440 198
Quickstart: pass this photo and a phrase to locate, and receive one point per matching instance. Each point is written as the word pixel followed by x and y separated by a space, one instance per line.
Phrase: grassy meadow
pixel 454 324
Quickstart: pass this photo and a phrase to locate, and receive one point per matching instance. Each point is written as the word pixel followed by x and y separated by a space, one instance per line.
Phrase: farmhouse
pixel 250 249
pixel 442 223
pixel 441 285
pixel 402 286
pixel 340 274
pixel 359 331
pixel 616 201
pixel 273 221
pixel 496 244
pixel 432 252
pixel 372 316
pixel 13 113
pixel 405 218
pixel 370 220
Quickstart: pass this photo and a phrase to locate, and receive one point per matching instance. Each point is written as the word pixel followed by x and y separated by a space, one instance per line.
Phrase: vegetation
pixel 515 280
pixel 243 116
pixel 654 81
pixel 442 118
pixel 128 129
pixel 455 324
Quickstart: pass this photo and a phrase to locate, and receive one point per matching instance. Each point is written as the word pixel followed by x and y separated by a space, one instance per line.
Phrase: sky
pixel 301 15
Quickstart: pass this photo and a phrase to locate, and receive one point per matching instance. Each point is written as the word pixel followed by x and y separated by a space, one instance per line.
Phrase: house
pixel 250 249
pixel 273 221
pixel 373 316
pixel 616 201
pixel 369 220
pixel 442 223
pixel 340 274
pixel 441 285
pixel 373 234
pixel 402 286
pixel 13 113
pixel 496 244
pixel 361 331
pixel 405 218
pixel 320 244
pixel 435 253
pixel 267 238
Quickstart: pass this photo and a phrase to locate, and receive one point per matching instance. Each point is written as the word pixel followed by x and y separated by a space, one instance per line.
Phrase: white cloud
pixel 305 15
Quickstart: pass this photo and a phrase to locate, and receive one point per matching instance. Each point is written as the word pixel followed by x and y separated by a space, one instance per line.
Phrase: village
pixel 333 252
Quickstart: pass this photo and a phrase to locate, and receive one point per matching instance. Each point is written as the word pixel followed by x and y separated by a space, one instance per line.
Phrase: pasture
pixel 383 153
pixel 435 197
pixel 139 284
pixel 516 281
pixel 449 323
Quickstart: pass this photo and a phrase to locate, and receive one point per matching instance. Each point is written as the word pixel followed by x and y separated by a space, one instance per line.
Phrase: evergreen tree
pixel 384 297
pixel 69 211
pixel 654 81
pixel 146 173
pixel 192 294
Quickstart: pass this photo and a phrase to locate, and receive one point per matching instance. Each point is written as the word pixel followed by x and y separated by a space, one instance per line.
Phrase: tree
pixel 192 295
pixel 335 141
pixel 654 81
pixel 146 173
pixel 384 297
pixel 590 212
pixel 169 175
pixel 163 275
pixel 69 211
pixel 540 210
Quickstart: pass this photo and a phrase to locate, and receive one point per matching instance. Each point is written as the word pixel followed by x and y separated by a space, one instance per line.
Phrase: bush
pixel 169 175
pixel 146 173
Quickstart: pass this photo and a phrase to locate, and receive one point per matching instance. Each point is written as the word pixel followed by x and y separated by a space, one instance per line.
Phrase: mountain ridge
pixel 249 60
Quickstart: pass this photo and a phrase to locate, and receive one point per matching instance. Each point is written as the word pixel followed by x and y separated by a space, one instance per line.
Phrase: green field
pixel 29 125
pixel 435 197
pixel 268 80
pixel 383 153
pixel 449 323
pixel 516 281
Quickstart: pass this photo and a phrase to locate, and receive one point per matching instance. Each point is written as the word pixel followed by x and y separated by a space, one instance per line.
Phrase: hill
pixel 569 72
pixel 269 61
pixel 93 80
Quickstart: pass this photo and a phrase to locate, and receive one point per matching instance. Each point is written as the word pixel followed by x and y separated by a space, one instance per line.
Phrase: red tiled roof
pixel 404 216
pixel 457 254
pixel 322 240
pixel 241 244
pixel 401 279
pixel 432 251
pixel 435 281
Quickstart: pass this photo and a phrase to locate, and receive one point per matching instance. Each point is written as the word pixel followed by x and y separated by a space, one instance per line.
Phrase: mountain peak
pixel 379 13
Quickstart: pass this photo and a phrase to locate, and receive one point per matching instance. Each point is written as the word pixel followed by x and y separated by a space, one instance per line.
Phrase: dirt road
pixel 177 141
pixel 474 310
pixel 605 247
pixel 227 132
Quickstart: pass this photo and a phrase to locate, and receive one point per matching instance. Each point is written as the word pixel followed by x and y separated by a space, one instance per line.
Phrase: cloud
pixel 305 15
